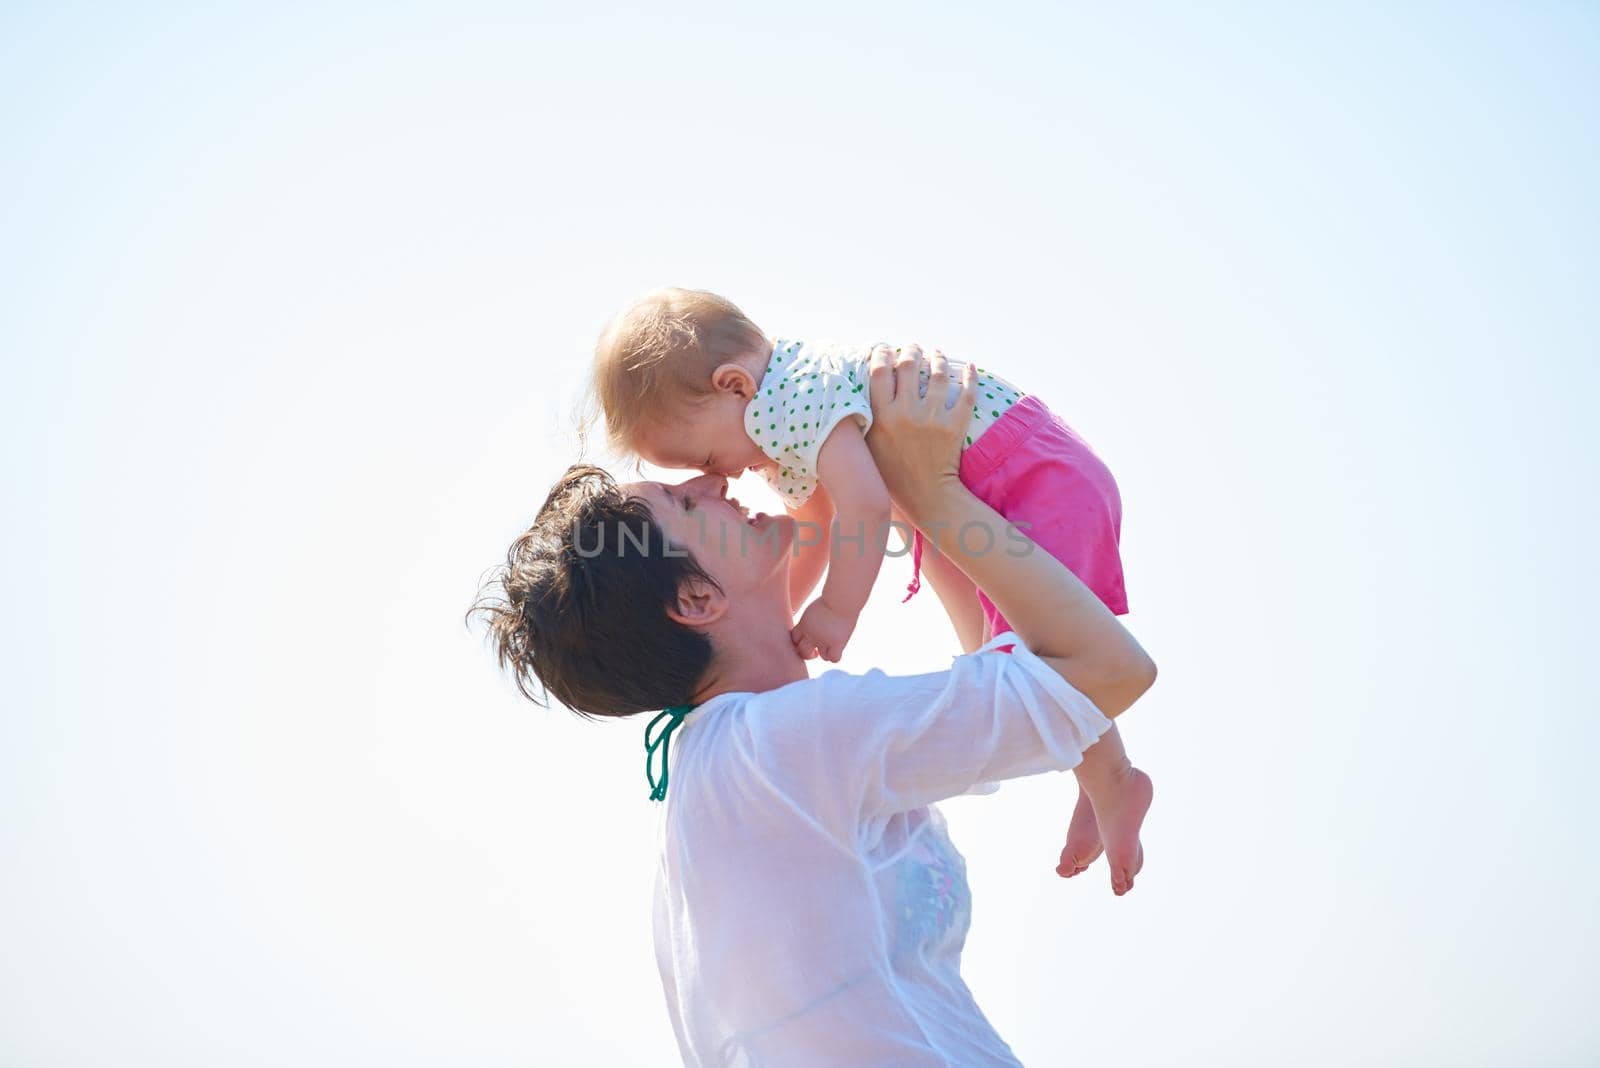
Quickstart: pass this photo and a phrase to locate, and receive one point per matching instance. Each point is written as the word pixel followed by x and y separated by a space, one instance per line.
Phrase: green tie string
pixel 658 790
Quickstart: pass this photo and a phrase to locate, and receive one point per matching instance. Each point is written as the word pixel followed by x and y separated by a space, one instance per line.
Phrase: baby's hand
pixel 822 632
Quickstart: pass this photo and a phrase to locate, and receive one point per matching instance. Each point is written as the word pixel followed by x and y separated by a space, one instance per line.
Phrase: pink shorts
pixel 1041 476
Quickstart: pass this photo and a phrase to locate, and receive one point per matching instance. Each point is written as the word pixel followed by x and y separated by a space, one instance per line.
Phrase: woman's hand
pixel 916 438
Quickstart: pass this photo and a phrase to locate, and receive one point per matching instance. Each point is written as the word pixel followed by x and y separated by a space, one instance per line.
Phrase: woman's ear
pixel 731 378
pixel 699 603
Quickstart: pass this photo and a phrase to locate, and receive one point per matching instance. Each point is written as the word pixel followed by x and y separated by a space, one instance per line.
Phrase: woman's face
pixel 747 555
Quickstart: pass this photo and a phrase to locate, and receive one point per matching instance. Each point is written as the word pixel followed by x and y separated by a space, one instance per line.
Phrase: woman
pixel 810 908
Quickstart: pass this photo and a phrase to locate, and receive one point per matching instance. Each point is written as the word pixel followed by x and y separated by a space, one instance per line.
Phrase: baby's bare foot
pixel 1083 839
pixel 1119 808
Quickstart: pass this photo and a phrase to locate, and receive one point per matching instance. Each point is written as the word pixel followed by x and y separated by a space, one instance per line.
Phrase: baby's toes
pixel 1123 871
pixel 1075 859
pixel 1083 846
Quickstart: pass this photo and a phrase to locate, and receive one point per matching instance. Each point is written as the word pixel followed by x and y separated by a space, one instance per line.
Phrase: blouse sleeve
pixel 804 395
pixel 867 746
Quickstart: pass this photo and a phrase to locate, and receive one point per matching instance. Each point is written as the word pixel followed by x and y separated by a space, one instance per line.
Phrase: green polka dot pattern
pixel 790 429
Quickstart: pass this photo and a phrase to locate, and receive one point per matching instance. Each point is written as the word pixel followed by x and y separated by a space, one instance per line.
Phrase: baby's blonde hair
pixel 663 349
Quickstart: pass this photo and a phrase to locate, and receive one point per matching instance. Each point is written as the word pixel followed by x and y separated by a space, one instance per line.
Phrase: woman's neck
pixel 751 656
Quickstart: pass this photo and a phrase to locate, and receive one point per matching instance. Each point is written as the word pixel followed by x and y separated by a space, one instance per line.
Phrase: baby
pixel 685 380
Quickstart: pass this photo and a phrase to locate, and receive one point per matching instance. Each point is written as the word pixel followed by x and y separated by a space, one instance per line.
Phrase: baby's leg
pixel 1083 846
pixel 1125 794
pixel 1049 483
pixel 1113 797
pixel 956 593
pixel 1107 782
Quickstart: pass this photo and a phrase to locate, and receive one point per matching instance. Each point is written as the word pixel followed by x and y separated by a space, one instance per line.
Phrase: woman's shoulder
pixel 796 702
pixel 832 683
pixel 837 706
pixel 832 703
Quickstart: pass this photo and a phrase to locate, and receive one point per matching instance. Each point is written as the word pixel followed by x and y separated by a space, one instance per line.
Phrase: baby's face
pixel 706 436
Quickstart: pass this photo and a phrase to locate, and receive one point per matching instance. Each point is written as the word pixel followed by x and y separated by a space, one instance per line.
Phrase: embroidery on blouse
pixel 933 904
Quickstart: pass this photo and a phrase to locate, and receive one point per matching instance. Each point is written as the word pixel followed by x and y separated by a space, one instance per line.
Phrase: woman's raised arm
pixel 916 441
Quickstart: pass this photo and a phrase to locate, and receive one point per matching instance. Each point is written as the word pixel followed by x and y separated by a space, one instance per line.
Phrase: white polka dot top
pixel 811 386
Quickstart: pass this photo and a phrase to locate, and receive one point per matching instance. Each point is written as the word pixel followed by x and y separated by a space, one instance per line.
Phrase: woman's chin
pixel 779 532
pixel 776 531
pixel 771 536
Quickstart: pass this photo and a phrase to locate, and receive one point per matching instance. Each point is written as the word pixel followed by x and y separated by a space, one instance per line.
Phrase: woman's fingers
pixel 969 392
pixel 880 378
pixel 893 375
pixel 938 379
pixel 907 370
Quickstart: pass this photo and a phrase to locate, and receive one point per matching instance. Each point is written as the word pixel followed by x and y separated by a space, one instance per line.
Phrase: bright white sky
pixel 293 310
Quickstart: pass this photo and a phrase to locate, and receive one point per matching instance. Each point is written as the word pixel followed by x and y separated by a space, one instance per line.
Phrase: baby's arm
pixel 861 517
pixel 811 546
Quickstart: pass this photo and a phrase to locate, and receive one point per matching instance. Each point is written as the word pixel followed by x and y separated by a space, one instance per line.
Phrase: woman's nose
pixel 711 484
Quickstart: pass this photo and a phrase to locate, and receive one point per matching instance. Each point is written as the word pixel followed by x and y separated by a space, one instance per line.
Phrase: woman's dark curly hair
pixel 579 608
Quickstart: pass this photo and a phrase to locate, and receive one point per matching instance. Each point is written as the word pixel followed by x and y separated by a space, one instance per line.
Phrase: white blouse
pixel 810 908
